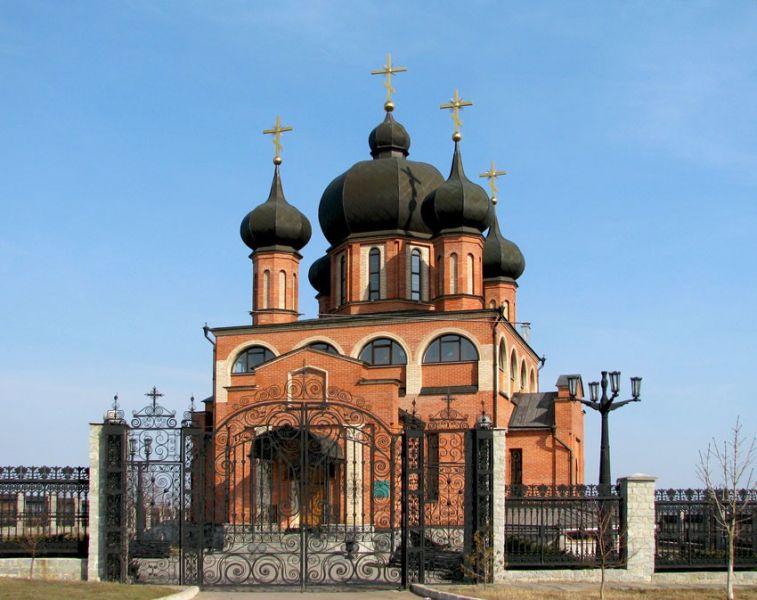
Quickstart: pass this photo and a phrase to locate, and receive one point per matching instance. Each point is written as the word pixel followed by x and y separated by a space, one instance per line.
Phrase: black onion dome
pixel 502 258
pixel 319 275
pixel 380 195
pixel 458 205
pixel 275 223
pixel 389 137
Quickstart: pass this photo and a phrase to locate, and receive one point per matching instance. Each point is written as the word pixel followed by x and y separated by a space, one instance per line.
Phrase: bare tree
pixel 726 469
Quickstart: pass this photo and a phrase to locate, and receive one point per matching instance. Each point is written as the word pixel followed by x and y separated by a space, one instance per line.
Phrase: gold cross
pixel 455 105
pixel 492 175
pixel 276 131
pixel 389 70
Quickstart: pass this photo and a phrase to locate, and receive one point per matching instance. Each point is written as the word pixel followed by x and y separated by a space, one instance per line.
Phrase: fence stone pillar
pixel 638 524
pixel 499 463
pixel 96 526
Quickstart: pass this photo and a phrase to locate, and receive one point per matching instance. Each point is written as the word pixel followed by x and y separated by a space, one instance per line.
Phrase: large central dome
pixel 380 195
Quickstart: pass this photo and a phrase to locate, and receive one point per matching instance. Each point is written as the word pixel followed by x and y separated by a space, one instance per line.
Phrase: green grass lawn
pixel 24 589
pixel 591 592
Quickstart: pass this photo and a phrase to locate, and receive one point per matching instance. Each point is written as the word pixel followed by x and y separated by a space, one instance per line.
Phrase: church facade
pixel 418 308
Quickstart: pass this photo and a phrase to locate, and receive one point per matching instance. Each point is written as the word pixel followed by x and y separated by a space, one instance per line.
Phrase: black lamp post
pixel 605 405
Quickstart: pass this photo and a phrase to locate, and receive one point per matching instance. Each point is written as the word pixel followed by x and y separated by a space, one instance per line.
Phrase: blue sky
pixel 130 148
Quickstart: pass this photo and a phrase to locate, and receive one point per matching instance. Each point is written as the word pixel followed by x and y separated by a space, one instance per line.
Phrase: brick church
pixel 417 296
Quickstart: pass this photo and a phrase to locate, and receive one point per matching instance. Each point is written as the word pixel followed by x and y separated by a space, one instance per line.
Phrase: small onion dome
pixel 275 224
pixel 320 275
pixel 389 138
pixel 383 195
pixel 458 205
pixel 502 258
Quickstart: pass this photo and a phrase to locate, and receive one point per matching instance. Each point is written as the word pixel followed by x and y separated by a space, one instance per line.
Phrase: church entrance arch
pixel 304 492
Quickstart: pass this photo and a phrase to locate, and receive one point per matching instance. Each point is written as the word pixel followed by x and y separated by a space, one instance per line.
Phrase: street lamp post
pixel 604 405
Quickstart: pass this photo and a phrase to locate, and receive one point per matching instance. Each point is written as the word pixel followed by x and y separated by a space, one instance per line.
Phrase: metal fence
pixel 43 511
pixel 688 535
pixel 562 527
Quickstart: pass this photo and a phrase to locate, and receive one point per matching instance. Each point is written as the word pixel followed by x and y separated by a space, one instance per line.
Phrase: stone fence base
pixel 60 569
pixel 626 576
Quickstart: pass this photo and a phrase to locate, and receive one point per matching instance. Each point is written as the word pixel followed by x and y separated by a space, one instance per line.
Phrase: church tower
pixel 275 231
pixel 458 211
pixel 503 261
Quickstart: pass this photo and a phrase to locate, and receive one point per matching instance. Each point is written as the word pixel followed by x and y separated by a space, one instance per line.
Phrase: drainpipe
pixel 570 453
pixel 206 331
pixel 495 371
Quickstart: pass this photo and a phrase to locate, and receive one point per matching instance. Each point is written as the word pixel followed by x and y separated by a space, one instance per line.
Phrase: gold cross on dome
pixel 389 70
pixel 276 131
pixel 492 175
pixel 455 105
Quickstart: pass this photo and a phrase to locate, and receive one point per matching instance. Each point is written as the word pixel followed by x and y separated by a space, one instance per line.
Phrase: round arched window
pixel 323 346
pixel 450 348
pixel 383 351
pixel 251 358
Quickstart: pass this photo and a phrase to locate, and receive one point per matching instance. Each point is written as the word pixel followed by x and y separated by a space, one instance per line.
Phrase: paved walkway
pixel 290 595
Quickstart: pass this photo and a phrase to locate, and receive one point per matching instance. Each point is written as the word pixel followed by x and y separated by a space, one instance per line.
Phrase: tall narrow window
pixel 342 279
pixel 506 310
pixel 469 276
pixel 374 274
pixel 440 278
pixel 294 290
pixel 453 273
pixel 516 466
pixel 282 289
pixel 266 289
pixel 523 380
pixel 513 366
pixel 415 275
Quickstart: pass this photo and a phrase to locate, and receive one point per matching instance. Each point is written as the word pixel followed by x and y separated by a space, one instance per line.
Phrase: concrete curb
pixel 185 594
pixel 427 592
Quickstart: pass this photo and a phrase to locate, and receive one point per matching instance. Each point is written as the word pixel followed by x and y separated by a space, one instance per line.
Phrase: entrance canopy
pixel 286 443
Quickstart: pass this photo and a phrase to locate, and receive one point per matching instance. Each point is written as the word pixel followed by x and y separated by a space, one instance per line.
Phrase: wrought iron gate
pixel 297 486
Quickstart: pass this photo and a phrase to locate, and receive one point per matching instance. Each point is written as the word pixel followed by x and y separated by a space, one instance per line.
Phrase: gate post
pixel 480 545
pixel 413 502
pixel 107 499
pixel 499 465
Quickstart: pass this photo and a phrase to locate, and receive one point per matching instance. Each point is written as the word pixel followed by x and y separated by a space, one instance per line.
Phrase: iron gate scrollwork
pixel 447 498
pixel 297 485
pixel 305 492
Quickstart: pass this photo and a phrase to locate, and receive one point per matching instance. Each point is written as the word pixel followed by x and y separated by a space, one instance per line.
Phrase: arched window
pixel 469 275
pixel 502 356
pixel 492 304
pixel 532 383
pixel 374 274
pixel 415 275
pixel 342 279
pixel 282 289
pixel 324 346
pixel 450 348
pixel 250 358
pixel 294 290
pixel 383 351
pixel 506 310
pixel 266 288
pixel 513 366
pixel 523 379
pixel 440 278
pixel 453 273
